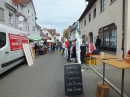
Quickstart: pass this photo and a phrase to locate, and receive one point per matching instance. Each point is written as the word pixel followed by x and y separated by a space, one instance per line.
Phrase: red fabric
pixel 129 52
pixel 15 2
pixel 66 44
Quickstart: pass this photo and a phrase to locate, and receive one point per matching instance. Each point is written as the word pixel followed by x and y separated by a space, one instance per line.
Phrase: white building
pixel 54 34
pixel 108 19
pixel 11 10
pixel 73 30
pixel 58 38
pixel 47 34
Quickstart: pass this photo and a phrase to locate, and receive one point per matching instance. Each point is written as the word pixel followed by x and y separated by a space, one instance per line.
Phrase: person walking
pixel 63 47
pixel 69 47
pixel 97 44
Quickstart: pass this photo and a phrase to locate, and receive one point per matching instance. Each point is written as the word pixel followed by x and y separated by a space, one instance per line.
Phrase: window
pixel 28 26
pixel 33 28
pixel 102 5
pixel 89 17
pixel 2 39
pixel 1 14
pixel 85 22
pixel 28 12
pixel 10 18
pixel 94 12
pixel 108 36
pixel 32 17
pixel 112 1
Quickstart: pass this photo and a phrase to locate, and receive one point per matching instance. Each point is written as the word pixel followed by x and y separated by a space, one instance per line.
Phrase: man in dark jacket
pixel 69 47
pixel 97 44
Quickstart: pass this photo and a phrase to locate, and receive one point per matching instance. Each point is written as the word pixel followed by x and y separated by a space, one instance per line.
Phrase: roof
pixel 37 26
pixel 52 31
pixel 42 34
pixel 91 3
pixel 57 34
pixel 24 1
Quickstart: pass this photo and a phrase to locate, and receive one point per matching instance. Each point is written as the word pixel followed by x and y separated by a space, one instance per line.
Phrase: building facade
pixel 11 10
pixel 47 34
pixel 75 27
pixel 108 19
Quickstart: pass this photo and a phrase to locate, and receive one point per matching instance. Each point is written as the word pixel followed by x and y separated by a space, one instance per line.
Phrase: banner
pixel 16 41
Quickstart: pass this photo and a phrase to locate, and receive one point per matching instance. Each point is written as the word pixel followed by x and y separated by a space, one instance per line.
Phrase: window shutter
pixel 1 14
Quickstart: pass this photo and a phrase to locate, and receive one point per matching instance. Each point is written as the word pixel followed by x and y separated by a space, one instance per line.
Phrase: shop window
pixel 108 36
pixel 2 39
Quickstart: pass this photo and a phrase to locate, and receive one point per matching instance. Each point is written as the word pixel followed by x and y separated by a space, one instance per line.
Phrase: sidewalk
pixel 114 75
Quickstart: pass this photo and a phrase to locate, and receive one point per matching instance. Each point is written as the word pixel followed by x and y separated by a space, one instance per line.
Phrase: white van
pixel 11 51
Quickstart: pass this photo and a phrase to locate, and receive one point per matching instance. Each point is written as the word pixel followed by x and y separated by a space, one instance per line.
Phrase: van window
pixel 2 39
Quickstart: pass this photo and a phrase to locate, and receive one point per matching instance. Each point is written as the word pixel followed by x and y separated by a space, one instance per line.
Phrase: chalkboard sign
pixel 73 79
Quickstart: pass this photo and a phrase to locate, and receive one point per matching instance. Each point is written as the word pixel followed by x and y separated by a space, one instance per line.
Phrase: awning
pixel 49 40
pixel 35 37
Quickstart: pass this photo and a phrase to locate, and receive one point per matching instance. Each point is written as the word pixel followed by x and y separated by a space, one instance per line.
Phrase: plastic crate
pixel 90 61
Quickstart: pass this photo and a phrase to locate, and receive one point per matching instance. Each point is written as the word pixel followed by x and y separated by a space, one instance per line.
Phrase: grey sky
pixel 58 14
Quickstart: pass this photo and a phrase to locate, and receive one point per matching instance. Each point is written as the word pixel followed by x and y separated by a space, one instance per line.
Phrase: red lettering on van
pixel 16 41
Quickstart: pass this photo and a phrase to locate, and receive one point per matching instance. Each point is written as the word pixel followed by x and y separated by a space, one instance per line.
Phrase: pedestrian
pixel 69 47
pixel 97 44
pixel 49 48
pixel 73 53
pixel 60 46
pixel 63 47
pixel 127 57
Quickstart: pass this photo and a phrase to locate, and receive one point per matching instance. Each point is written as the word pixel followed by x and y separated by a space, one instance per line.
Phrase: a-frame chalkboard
pixel 73 79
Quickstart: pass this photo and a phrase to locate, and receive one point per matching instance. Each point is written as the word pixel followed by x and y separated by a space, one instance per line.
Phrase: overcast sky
pixel 58 14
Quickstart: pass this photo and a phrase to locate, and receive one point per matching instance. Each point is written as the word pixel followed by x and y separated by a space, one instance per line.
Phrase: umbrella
pixel 34 37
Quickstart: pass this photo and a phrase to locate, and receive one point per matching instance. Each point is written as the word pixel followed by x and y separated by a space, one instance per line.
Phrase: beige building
pixel 108 19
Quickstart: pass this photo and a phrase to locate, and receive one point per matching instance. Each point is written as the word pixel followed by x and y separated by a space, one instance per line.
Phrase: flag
pixel 15 2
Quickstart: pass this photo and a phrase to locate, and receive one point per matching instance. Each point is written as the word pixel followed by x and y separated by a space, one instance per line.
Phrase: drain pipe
pixel 123 26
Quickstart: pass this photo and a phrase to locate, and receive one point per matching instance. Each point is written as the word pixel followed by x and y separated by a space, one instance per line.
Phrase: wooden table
pixel 121 65
pixel 104 57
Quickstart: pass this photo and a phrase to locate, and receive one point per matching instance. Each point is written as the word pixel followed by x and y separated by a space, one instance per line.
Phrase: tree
pixel 65 34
